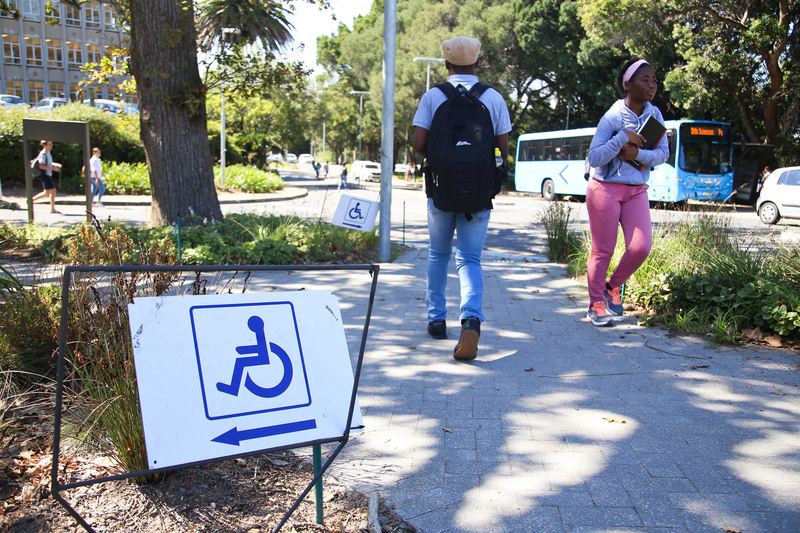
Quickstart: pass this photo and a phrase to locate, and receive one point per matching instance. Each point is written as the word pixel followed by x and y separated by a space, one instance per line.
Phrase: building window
pixel 113 93
pixel 30 10
pixel 131 98
pixel 11 49
pixel 35 91
pixel 74 55
pixel 93 53
pixel 55 56
pixel 92 15
pixel 33 52
pixel 56 90
pixel 74 91
pixel 15 88
pixel 12 4
pixel 72 16
pixel 111 18
pixel 52 13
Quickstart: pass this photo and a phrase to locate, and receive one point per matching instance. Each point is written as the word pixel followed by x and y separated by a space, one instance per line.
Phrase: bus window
pixel 671 136
pixel 550 152
pixel 586 142
pixel 531 150
pixel 706 148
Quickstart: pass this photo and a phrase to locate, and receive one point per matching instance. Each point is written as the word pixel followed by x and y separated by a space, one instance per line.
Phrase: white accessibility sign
pixel 227 374
pixel 356 213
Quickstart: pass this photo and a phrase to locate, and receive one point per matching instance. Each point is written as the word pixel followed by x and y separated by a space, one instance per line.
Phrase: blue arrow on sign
pixel 234 436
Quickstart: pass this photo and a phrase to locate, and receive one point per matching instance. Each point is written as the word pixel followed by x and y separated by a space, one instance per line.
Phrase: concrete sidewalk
pixel 562 426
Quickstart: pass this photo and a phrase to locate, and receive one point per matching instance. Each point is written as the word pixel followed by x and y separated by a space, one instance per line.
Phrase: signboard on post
pixel 356 213
pixel 224 375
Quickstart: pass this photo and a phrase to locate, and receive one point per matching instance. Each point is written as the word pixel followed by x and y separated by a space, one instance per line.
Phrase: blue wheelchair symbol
pixel 261 351
pixel 355 212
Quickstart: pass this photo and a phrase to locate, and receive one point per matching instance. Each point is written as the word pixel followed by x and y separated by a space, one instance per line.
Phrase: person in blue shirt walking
pixel 461 59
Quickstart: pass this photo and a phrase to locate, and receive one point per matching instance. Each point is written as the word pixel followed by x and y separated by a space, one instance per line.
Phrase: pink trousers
pixel 611 205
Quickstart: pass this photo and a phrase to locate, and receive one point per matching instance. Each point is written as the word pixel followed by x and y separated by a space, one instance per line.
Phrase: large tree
pixel 735 54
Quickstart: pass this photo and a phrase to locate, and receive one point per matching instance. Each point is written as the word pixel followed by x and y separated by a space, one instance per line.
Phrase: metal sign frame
pixel 63 131
pixel 57 488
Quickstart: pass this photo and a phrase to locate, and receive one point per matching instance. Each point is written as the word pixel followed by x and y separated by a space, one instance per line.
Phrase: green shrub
pixel 248 179
pixel 124 178
pixel 116 136
pixel 561 241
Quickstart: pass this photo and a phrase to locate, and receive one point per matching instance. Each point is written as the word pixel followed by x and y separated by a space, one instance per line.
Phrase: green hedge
pixel 116 136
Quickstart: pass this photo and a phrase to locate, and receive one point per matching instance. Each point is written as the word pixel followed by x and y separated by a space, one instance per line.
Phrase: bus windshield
pixel 706 148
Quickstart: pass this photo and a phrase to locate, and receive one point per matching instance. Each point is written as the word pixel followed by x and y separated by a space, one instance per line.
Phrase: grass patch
pixel 699 278
pixel 562 243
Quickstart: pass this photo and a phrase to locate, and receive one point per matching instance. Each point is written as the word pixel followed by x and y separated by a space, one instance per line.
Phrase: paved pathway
pixel 561 426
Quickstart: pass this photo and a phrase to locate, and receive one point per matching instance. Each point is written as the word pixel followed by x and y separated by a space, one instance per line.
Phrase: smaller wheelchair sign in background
pixel 356 213
pixel 223 375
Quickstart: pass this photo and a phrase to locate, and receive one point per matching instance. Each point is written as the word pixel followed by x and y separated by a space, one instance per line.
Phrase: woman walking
pixel 617 191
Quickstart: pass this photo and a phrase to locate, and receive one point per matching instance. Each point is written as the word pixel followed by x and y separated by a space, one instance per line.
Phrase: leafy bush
pixel 697 277
pixel 124 178
pixel 116 136
pixel 561 241
pixel 248 179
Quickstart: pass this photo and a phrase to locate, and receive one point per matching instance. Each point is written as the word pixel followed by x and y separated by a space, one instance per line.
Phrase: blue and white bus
pixel 700 165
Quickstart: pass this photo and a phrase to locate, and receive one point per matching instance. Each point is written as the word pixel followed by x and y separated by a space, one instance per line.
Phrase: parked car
pixel 365 170
pixel 780 195
pixel 305 159
pixel 112 106
pixel 48 104
pixel 131 109
pixel 274 158
pixel 290 158
pixel 10 100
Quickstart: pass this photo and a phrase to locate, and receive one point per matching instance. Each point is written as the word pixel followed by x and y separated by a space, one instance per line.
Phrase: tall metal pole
pixel 429 61
pixel 387 129
pixel 361 117
pixel 222 140
pixel 323 141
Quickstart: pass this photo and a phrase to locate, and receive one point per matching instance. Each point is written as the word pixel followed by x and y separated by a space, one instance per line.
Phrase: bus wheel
pixel 768 213
pixel 548 190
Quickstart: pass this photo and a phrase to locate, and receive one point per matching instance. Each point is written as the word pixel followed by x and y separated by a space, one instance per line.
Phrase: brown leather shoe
pixel 467 347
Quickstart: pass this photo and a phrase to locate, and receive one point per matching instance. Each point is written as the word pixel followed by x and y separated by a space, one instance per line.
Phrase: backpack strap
pixel 447 88
pixel 478 89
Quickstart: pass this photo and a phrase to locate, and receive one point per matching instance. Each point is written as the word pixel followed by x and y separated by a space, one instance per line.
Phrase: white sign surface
pixel 227 374
pixel 356 213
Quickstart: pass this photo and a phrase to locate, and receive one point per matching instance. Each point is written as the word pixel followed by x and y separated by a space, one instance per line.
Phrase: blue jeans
pixel 469 245
pixel 99 190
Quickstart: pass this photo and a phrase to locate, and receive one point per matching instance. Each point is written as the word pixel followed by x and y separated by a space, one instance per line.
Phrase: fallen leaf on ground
pixel 612 419
pixel 447 430
pixel 529 369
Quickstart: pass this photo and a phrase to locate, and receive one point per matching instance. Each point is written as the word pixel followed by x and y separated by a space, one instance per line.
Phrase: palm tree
pixel 254 20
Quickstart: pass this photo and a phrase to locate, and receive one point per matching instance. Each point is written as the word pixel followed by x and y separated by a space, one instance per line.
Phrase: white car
pixel 10 100
pixel 305 159
pixel 274 158
pixel 780 195
pixel 365 170
pixel 290 158
pixel 111 106
pixel 48 104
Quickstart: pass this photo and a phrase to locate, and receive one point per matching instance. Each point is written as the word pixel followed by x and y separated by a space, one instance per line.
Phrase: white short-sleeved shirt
pixel 96 167
pixel 46 160
pixel 432 99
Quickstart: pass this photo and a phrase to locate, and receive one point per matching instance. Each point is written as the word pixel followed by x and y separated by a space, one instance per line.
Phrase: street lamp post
pixel 429 60
pixel 361 117
pixel 225 31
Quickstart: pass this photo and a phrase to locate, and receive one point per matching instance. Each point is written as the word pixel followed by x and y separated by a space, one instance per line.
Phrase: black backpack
pixel 462 174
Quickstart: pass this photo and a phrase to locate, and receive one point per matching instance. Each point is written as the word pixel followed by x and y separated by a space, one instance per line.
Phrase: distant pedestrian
pixel 96 175
pixel 764 175
pixel 325 168
pixel 617 192
pixel 342 179
pixel 409 171
pixel 316 169
pixel 48 166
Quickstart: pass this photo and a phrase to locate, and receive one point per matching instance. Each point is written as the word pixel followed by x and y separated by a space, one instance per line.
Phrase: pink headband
pixel 631 69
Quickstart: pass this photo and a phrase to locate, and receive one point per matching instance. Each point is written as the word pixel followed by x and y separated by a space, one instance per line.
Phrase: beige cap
pixel 461 51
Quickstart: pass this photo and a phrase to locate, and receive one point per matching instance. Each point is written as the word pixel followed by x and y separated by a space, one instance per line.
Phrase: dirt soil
pixel 248 495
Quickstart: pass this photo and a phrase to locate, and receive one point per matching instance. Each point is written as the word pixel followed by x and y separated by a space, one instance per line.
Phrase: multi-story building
pixel 44 49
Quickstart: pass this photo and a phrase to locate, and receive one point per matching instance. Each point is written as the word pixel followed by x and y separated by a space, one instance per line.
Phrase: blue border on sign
pixel 200 368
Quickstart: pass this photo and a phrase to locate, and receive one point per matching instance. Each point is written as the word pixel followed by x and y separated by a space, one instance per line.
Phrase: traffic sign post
pixel 245 374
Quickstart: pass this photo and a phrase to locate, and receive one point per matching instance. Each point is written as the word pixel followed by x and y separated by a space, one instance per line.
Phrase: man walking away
pixel 96 174
pixel 445 220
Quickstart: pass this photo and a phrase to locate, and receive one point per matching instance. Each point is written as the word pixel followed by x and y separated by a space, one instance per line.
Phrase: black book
pixel 652 131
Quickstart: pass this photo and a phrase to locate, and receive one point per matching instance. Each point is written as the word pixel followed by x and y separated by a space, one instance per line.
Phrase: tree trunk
pixel 172 112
